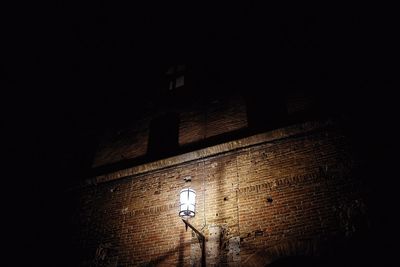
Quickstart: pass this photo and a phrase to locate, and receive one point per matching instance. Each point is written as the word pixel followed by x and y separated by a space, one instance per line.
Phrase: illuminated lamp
pixel 187 205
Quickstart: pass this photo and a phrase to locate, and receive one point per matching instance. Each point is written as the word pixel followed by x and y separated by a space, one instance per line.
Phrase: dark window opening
pixel 175 77
pixel 163 136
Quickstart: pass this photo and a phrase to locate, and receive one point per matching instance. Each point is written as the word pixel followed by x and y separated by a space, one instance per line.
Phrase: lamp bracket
pixel 202 240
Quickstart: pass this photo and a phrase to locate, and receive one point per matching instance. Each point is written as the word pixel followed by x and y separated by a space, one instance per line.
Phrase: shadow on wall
pixel 313 261
pixel 163 136
pixel 296 261
pixel 357 250
pixel 180 250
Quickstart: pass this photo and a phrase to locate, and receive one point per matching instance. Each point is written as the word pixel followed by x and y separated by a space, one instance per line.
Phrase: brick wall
pixel 197 124
pixel 126 143
pixel 218 117
pixel 264 197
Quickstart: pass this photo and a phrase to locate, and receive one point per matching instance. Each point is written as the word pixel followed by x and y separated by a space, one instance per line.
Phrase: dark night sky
pixel 75 68
pixel 78 67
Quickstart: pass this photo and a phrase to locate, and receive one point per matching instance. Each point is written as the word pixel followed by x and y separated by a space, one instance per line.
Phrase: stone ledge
pixel 211 151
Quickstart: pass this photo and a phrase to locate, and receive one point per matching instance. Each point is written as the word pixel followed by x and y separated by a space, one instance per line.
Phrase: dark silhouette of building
pixel 274 119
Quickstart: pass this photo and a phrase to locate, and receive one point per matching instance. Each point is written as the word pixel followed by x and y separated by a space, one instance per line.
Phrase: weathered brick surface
pixel 217 118
pixel 261 200
pixel 195 125
pixel 225 116
pixel 298 102
pixel 192 126
pixel 124 144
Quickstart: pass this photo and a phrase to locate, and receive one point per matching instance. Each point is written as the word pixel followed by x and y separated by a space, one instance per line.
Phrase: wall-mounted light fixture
pixel 187 205
pixel 187 209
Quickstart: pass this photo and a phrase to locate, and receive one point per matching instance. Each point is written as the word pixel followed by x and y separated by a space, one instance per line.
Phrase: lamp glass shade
pixel 187 203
